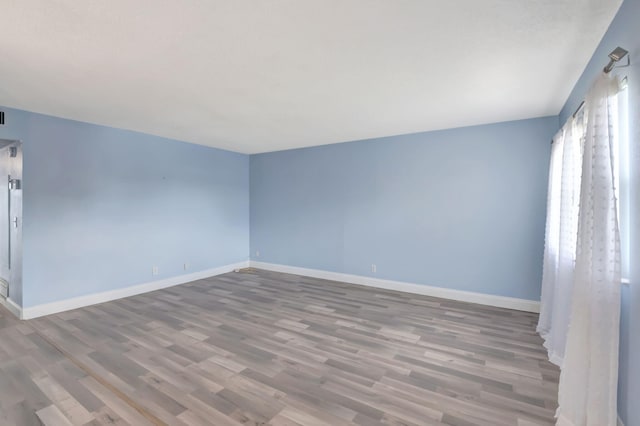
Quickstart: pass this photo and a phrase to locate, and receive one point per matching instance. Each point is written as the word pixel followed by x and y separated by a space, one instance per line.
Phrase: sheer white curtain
pixel 580 308
pixel 561 236
pixel 589 377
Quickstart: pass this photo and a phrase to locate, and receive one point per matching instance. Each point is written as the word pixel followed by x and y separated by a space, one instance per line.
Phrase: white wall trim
pixel 11 306
pixel 92 299
pixel 426 290
pixel 445 293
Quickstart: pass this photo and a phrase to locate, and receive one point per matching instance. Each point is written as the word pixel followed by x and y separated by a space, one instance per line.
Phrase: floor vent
pixel 1 118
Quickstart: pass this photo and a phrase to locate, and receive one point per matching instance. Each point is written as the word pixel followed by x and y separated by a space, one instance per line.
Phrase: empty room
pixel 305 213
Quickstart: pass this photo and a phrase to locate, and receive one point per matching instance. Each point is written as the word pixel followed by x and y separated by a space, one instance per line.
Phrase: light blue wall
pixel 102 206
pixel 462 208
pixel 625 32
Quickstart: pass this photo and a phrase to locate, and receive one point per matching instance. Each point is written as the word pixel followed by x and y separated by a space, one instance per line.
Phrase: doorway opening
pixel 10 219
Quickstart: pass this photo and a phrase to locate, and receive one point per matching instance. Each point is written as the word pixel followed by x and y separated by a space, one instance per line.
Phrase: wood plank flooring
pixel 264 348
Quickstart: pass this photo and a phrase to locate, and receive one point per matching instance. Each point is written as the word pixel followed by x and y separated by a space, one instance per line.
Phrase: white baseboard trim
pixel 93 299
pixel 11 306
pixel 445 293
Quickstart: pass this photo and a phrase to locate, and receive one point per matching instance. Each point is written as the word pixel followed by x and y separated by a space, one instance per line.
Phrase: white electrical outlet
pixel 257 253
pixel 186 266
pixel 154 270
pixel 374 268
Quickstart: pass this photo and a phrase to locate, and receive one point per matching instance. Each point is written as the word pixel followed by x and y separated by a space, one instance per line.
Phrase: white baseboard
pixel 445 293
pixel 92 299
pixel 11 306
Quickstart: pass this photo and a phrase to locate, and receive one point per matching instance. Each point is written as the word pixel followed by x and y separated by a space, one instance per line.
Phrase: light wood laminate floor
pixel 264 348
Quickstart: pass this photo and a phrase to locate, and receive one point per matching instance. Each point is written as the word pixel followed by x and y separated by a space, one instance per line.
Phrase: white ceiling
pixel 265 75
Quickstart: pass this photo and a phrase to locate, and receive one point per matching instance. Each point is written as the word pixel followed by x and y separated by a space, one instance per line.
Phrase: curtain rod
pixel 578 109
pixel 624 81
pixel 614 57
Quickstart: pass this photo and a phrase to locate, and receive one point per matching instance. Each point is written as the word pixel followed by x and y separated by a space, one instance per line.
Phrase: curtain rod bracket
pixel 615 56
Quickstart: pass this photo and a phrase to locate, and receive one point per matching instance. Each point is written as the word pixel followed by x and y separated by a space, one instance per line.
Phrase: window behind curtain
pixel 623 179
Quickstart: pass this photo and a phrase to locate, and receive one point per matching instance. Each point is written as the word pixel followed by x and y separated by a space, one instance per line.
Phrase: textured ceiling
pixel 265 75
